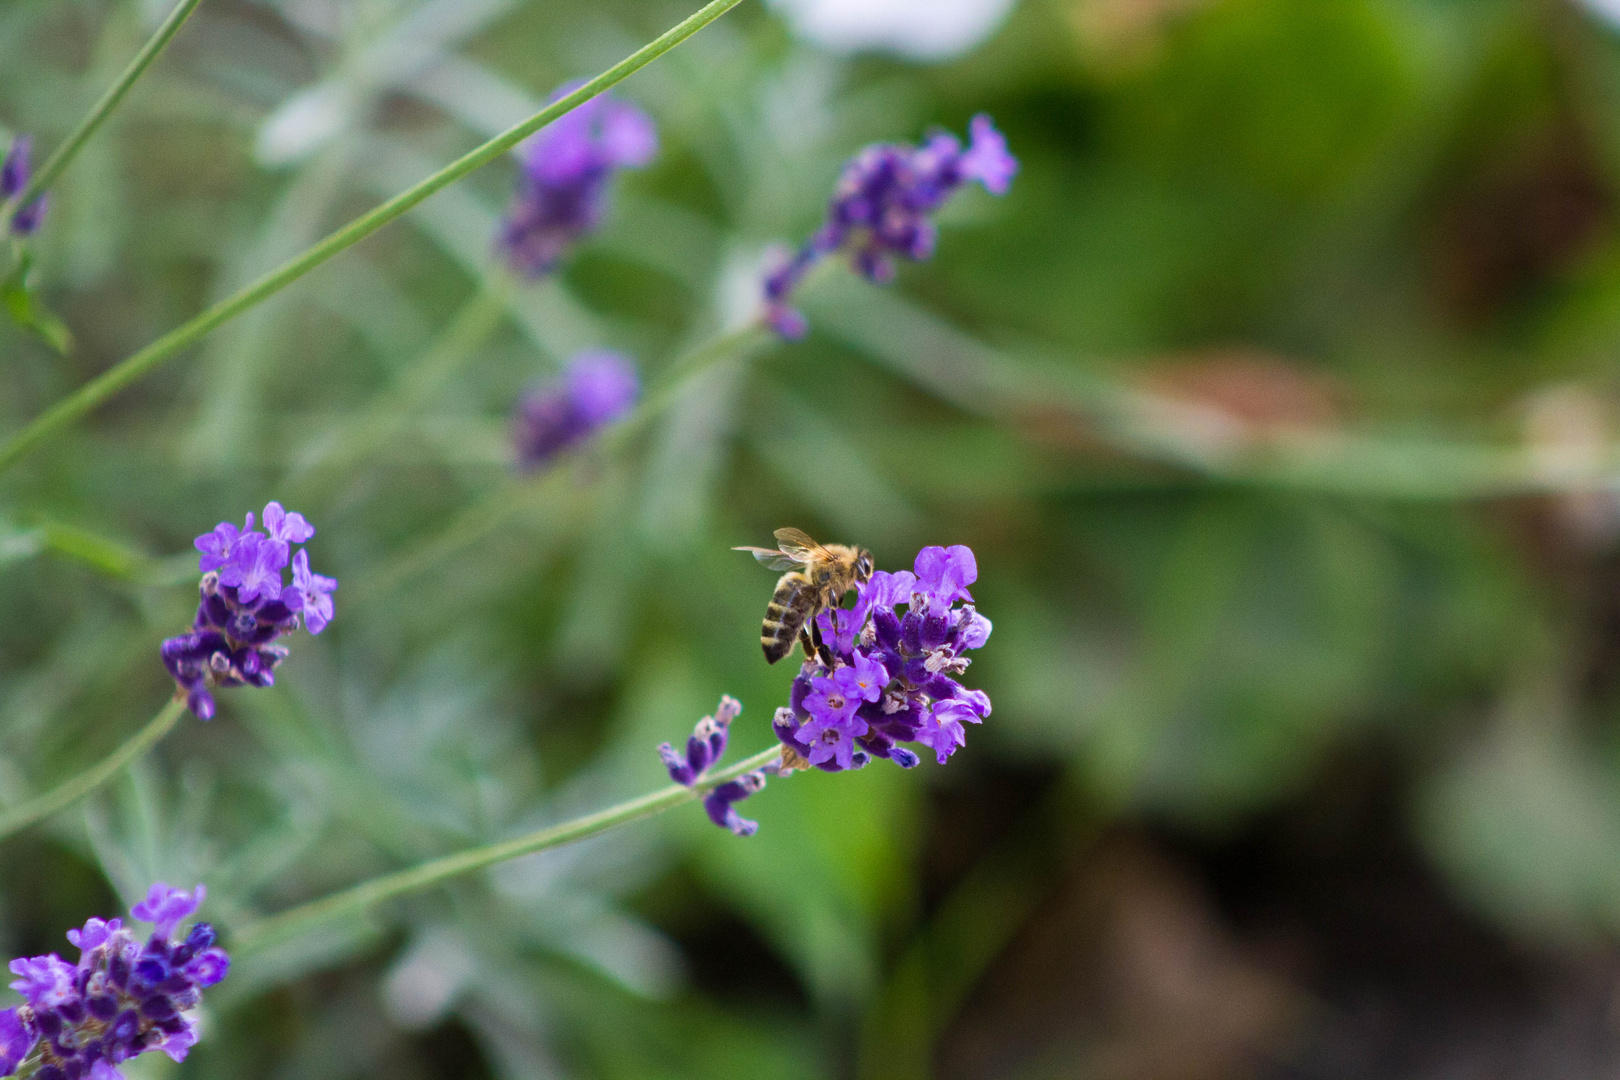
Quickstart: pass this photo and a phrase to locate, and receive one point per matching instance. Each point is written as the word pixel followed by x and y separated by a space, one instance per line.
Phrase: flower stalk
pixel 508 500
pixel 356 900
pixel 471 327
pixel 58 162
pixel 70 791
pixel 136 366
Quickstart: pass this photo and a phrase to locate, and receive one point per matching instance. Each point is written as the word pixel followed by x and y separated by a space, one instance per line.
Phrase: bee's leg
pixel 806 642
pixel 820 646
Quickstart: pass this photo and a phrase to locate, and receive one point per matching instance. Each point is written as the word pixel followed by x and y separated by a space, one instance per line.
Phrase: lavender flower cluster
pixel 883 207
pixel 890 678
pixel 704 747
pixel 246 605
pixel 596 389
pixel 889 681
pixel 80 1021
pixel 14 173
pixel 562 181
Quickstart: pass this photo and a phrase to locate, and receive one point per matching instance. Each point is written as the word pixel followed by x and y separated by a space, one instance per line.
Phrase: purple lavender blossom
pixel 246 605
pixel 165 907
pixel 256 569
pixel 121 1000
pixel 721 803
pixel 703 749
pixel 890 680
pixel 883 206
pixel 15 1042
pixel 833 727
pixel 14 173
pixel 562 184
pixel 219 547
pixel 596 389
pixel 289 528
pixel 310 594
pixel 943 574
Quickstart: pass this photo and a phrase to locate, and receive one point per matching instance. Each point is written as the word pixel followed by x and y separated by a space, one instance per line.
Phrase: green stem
pixel 468 527
pixel 470 328
pixel 108 556
pixel 672 380
pixel 30 1066
pixel 66 794
pixel 64 155
pixel 489 513
pixel 128 370
pixel 356 900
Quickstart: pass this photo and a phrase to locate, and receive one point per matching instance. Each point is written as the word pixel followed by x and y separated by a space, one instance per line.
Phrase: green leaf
pixel 26 310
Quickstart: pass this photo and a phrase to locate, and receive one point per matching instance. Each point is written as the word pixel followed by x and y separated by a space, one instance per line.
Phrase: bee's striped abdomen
pixel 785 615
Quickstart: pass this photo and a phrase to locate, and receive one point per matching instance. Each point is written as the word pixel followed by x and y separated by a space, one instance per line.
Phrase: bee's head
pixel 863 566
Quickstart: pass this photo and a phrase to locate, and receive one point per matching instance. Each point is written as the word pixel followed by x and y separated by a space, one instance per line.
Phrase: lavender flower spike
pixel 705 746
pixel 891 674
pixel 720 804
pixel 562 185
pixel 123 998
pixel 14 173
pixel 596 389
pixel 883 209
pixel 703 749
pixel 165 907
pixel 246 605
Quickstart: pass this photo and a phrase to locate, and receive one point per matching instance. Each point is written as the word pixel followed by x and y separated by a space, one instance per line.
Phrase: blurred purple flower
pixel 596 389
pixel 15 171
pixel 124 998
pixel 43 980
pixel 94 933
pixel 166 907
pixel 245 606
pixel 562 183
pixel 987 159
pixel 883 209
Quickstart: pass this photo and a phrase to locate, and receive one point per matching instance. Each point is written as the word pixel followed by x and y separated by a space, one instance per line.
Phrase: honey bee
pixel 818 576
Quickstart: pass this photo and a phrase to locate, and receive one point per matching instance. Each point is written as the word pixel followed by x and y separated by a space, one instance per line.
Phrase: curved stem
pixel 64 154
pixel 672 380
pixel 71 791
pixel 128 370
pixel 353 901
pixel 413 388
pixel 489 512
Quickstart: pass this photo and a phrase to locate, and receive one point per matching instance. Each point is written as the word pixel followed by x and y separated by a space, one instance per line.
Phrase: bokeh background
pixel 1278 401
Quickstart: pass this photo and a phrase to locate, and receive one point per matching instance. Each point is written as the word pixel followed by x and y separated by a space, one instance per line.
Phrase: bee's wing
pixel 797 544
pixel 776 560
